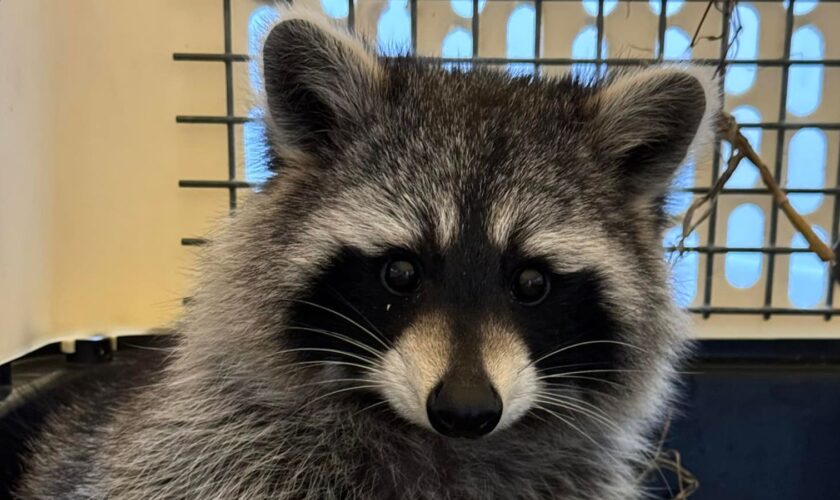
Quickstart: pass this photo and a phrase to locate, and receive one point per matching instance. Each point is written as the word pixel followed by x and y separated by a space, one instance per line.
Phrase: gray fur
pixel 233 416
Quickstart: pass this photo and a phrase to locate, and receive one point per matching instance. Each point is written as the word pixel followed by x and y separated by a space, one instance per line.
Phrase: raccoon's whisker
pixel 584 372
pixel 575 396
pixel 325 382
pixel 340 336
pixel 326 362
pixel 576 428
pixel 338 391
pixel 581 344
pixel 327 350
pixel 594 416
pixel 603 364
pixel 368 407
pixel 147 347
pixel 596 379
pixel 349 304
pixel 344 317
pixel 559 386
pixel 539 417
pixel 577 405
pixel 569 397
pixel 581 390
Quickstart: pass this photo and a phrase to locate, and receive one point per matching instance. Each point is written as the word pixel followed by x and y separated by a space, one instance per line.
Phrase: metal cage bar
pixel 710 248
pixel 777 171
pixel 663 24
pixel 231 136
pixel 711 235
pixel 538 11
pixel 599 38
pixel 835 236
pixel 413 15
pixel 555 61
pixel 474 29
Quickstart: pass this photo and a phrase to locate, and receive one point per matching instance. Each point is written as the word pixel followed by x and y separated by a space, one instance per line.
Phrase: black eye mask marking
pixel 571 330
pixel 361 304
pixel 349 310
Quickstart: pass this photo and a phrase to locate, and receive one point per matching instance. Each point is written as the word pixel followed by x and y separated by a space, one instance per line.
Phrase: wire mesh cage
pixel 779 68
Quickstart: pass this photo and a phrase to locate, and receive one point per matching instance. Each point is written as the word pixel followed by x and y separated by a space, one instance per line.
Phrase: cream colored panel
pixel 27 94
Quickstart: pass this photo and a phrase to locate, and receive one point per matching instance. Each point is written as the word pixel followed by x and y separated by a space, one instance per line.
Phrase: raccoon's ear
pixel 319 81
pixel 646 122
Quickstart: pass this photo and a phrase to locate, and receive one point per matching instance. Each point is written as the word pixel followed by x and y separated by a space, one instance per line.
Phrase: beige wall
pixel 26 177
pixel 90 155
pixel 119 213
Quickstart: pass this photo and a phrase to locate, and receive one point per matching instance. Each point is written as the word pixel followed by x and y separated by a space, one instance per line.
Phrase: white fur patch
pixel 365 227
pixel 508 365
pixel 571 250
pixel 414 366
pixel 448 218
pixel 503 219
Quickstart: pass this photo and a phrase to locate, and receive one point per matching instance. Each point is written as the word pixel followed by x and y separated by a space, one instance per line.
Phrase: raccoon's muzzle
pixel 461 410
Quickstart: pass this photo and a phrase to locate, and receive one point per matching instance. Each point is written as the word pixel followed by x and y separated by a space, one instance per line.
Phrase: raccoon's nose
pixel 470 411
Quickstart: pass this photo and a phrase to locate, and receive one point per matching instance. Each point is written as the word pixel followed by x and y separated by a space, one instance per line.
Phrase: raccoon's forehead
pixel 374 221
pixel 369 220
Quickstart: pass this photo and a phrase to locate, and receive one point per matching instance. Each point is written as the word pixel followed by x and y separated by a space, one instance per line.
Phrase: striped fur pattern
pixel 298 375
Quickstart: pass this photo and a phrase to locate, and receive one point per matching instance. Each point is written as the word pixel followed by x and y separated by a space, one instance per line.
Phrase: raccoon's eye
pixel 400 276
pixel 530 286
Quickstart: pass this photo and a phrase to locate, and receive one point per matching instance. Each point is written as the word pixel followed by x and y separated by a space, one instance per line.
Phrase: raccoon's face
pixel 473 250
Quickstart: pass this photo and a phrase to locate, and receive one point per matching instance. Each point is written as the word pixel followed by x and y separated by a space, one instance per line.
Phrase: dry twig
pixel 741 148
pixel 670 460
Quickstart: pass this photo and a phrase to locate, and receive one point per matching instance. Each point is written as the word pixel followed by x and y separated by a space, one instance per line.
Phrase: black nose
pixel 469 411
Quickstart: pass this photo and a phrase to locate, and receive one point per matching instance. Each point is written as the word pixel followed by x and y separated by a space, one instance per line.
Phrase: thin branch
pixel 741 148
pixel 671 460
pixel 728 8
pixel 700 24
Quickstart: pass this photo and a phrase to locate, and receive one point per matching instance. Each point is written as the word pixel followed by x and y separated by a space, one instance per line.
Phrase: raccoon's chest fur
pixel 189 451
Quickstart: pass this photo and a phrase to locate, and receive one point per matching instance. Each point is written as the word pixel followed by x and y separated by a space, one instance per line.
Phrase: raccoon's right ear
pixel 319 82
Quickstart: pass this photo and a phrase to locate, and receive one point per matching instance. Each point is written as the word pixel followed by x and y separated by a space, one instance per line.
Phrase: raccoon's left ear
pixel 646 122
pixel 319 82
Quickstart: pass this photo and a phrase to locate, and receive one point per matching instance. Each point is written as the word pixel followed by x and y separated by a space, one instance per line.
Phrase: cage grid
pixel 769 249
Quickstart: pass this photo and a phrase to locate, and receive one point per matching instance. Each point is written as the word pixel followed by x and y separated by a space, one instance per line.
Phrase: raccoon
pixel 453 288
